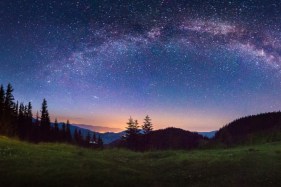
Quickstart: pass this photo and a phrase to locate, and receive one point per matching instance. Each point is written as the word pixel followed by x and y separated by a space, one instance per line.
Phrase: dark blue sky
pixel 191 64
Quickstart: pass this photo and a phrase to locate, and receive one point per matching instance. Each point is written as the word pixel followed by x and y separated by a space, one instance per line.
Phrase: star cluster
pixel 190 64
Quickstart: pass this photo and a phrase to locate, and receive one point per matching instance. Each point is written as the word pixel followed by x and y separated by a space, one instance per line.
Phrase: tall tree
pixel 147 125
pixel 132 133
pixel 37 118
pixel 56 130
pixel 17 109
pixel 2 100
pixel 68 132
pixel 29 121
pixel 9 112
pixel 88 138
pixel 21 111
pixel 29 113
pixel 63 132
pixel 21 122
pixel 80 137
pixel 45 121
pixel 2 97
pixel 9 99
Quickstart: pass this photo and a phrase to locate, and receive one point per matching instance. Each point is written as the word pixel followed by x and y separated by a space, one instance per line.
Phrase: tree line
pixel 16 120
pixel 251 129
pixel 144 138
pixel 135 137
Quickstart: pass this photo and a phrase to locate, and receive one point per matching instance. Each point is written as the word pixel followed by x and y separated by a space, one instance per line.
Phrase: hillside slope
pixel 171 138
pixel 259 128
pixel 24 164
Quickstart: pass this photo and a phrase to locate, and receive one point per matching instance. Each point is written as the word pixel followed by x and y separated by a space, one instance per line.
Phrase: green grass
pixel 24 164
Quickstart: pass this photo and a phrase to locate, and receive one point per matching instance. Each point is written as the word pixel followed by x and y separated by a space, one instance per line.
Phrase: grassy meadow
pixel 25 164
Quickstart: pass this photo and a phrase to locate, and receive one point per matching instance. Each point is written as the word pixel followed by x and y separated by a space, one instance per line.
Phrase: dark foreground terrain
pixel 24 164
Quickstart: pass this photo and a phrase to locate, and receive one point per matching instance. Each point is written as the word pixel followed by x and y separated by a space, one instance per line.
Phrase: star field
pixel 190 64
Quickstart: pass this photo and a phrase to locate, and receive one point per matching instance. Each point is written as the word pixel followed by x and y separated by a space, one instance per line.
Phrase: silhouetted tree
pixel 21 122
pixel 9 99
pixel 147 125
pixel 2 100
pixel 17 108
pixel 45 121
pixel 37 121
pixel 250 128
pixel 9 112
pixel 63 132
pixel 36 135
pixel 88 139
pixel 35 132
pixel 28 121
pixel 16 119
pixel 80 137
pixel 67 131
pixel 56 130
pixel 29 113
pixel 132 133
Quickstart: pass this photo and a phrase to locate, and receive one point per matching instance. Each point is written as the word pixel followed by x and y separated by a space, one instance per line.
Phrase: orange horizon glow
pixel 195 122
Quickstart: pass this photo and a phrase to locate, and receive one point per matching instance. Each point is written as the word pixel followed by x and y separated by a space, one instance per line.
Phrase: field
pixel 24 164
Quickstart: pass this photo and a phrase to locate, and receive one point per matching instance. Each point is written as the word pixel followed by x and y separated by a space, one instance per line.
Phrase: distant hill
pixel 251 129
pixel 98 128
pixel 163 139
pixel 173 138
pixel 107 137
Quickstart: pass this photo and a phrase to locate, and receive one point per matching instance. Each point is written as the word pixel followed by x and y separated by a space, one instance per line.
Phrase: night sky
pixel 195 65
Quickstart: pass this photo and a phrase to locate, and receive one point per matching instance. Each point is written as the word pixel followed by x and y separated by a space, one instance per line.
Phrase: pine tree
pixel 36 135
pixel 9 99
pixel 137 126
pixel 17 109
pixel 88 139
pixel 45 121
pixel 9 112
pixel 68 132
pixel 147 125
pixel 132 128
pixel 28 121
pixel 2 100
pixel 56 130
pixel 132 133
pixel 25 113
pixel 21 111
pixel 21 122
pixel 37 122
pixel 80 137
pixel 29 113
pixel 63 132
